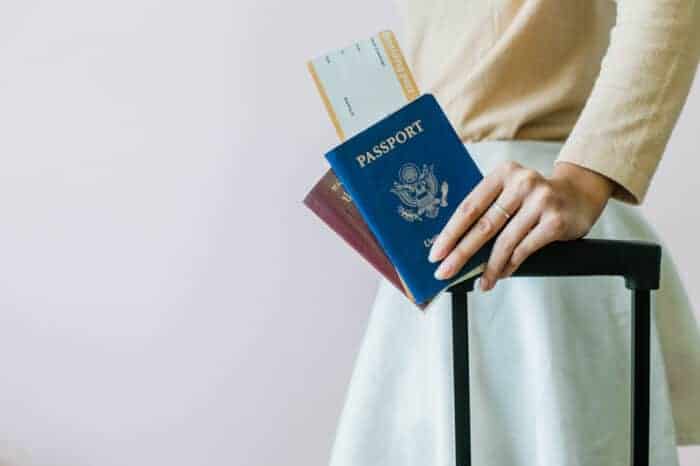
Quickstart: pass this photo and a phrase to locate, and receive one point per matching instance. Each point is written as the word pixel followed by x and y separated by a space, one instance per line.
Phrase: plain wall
pixel 165 298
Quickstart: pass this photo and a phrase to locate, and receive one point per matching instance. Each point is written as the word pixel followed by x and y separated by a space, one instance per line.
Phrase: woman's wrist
pixel 595 187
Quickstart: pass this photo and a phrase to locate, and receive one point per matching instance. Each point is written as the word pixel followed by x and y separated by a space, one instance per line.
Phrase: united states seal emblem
pixel 417 189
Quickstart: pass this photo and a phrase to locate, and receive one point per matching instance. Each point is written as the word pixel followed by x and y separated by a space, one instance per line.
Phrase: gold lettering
pixel 387 145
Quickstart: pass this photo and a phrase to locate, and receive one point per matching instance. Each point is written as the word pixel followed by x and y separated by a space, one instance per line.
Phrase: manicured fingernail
pixel 433 256
pixel 435 252
pixel 443 271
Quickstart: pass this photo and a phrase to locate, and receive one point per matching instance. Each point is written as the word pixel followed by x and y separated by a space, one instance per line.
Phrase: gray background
pixel 164 296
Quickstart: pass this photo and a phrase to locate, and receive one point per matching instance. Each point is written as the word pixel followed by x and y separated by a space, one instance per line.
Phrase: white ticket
pixel 363 82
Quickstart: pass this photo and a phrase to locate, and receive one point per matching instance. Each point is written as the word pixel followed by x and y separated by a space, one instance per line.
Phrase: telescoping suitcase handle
pixel 637 262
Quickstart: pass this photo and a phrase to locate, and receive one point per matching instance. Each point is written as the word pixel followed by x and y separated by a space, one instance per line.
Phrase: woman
pixel 567 105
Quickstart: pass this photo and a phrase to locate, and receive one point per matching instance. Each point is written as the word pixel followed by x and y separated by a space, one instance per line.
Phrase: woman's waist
pixel 537 154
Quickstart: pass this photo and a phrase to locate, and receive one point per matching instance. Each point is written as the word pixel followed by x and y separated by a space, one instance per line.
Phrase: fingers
pixel 545 232
pixel 532 213
pixel 470 209
pixel 486 227
pixel 511 236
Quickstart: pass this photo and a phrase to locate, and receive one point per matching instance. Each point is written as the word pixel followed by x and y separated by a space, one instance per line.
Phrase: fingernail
pixel 435 252
pixel 485 283
pixel 443 271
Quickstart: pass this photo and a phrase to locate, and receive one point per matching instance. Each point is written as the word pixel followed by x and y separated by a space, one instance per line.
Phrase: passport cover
pixel 407 174
pixel 329 201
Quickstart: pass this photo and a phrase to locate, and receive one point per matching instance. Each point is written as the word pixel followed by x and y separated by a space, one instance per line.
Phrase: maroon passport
pixel 333 205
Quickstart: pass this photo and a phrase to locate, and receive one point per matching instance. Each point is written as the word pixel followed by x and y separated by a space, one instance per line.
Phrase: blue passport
pixel 407 174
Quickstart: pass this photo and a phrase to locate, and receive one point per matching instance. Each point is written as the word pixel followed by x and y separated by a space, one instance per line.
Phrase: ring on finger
pixel 502 210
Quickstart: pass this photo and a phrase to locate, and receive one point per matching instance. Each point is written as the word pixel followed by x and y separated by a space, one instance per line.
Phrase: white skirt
pixel 549 364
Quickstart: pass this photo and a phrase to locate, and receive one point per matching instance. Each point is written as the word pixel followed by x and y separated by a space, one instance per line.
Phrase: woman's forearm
pixel 643 83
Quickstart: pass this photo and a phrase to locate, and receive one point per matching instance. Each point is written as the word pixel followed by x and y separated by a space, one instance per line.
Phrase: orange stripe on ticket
pixel 326 101
pixel 398 63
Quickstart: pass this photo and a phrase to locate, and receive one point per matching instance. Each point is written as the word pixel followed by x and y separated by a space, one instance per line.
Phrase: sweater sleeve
pixel 644 80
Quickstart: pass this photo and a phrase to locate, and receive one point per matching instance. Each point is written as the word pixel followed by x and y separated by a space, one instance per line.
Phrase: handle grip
pixel 639 262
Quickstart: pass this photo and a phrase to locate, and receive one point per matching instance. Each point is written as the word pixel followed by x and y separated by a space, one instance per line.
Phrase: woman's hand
pixel 562 207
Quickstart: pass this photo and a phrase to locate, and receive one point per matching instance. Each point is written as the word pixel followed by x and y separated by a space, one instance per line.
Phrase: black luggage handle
pixel 638 262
